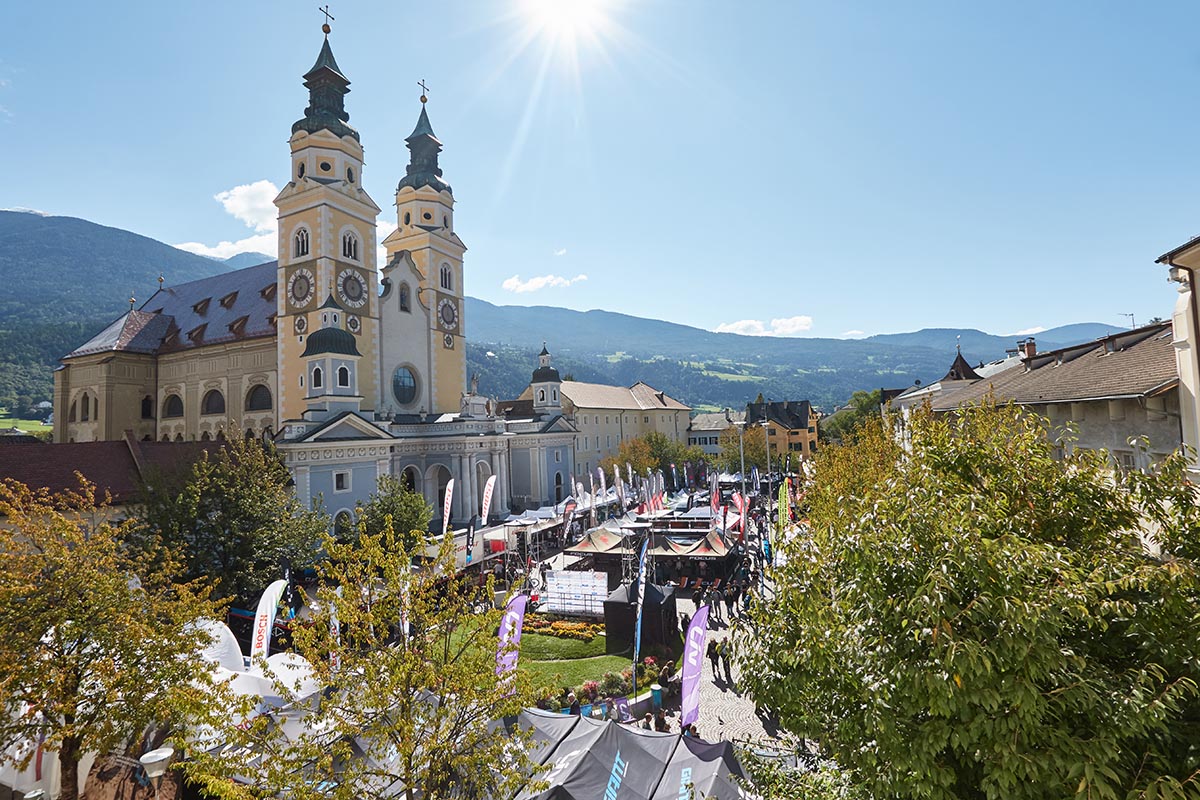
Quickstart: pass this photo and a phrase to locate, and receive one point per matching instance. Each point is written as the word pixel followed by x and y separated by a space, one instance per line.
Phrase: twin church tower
pixel 409 336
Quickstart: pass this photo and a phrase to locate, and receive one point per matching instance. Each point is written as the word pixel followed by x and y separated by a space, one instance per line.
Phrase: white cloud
pixel 853 334
pixel 562 251
pixel 253 205
pixel 515 284
pixel 1026 332
pixel 785 326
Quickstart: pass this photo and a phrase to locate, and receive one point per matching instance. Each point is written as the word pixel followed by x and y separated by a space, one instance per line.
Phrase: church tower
pixel 326 237
pixel 425 229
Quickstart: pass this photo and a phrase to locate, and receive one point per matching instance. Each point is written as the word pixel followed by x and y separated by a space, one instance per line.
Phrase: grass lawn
pixel 573 673
pixel 539 647
pixel 31 425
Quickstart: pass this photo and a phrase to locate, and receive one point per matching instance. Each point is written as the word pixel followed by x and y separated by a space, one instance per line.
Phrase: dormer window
pixel 350 246
pixel 196 334
pixel 201 308
pixel 300 243
pixel 228 300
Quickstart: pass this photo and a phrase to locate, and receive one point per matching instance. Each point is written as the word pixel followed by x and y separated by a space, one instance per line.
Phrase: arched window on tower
pixel 343 377
pixel 300 245
pixel 405 298
pixel 147 407
pixel 71 418
pixel 317 378
pixel 447 278
pixel 350 246
pixel 86 404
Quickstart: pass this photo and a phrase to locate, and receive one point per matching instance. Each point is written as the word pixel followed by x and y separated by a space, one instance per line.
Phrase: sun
pixel 566 21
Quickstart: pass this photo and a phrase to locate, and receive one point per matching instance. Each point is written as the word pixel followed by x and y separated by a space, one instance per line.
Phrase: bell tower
pixel 425 229
pixel 326 237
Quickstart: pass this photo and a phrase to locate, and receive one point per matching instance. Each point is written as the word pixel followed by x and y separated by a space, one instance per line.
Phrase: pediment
pixel 346 427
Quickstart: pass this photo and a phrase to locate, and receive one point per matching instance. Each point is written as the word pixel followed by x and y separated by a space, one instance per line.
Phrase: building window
pixel 259 398
pixel 447 278
pixel 316 378
pixel 350 246
pixel 343 524
pixel 404 385
pixel 86 404
pixel 71 418
pixel 645 419
pixel 341 481
pixel 343 377
pixel 585 443
pixel 172 407
pixel 555 392
pixel 405 301
pixel 407 218
pixel 350 174
pixel 147 407
pixel 213 403
pixel 541 395
pixel 300 245
pixel 608 441
pixel 558 456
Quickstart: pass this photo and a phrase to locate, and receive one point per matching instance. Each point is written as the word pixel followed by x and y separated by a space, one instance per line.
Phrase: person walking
pixel 731 601
pixel 713 657
pixel 714 598
pixel 724 652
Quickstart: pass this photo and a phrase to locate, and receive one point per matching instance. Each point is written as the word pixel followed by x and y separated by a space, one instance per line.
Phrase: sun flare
pixel 567 20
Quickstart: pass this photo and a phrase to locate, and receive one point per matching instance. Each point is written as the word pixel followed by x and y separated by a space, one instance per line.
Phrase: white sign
pixel 576 592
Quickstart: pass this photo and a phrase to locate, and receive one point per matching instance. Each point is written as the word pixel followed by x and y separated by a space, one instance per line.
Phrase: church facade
pixel 355 370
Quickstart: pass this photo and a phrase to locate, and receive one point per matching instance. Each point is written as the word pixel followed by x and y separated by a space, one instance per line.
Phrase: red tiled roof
pixel 115 467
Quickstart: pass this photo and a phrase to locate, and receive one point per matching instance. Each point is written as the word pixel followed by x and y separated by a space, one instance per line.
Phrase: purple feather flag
pixel 693 660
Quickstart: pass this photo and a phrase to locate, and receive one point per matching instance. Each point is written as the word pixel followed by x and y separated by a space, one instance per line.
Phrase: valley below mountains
pixel 67 278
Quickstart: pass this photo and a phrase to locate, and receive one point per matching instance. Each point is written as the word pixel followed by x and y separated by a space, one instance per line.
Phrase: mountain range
pixel 68 278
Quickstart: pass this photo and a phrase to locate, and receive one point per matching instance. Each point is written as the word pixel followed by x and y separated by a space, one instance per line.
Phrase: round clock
pixel 352 289
pixel 353 323
pixel 448 341
pixel 448 314
pixel 301 324
pixel 300 287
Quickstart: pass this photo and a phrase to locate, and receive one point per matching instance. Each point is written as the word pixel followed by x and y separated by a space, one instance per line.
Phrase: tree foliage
pixel 755 445
pixel 863 407
pixel 653 451
pixel 972 618
pixel 395 507
pixel 232 518
pixel 419 704
pixel 96 642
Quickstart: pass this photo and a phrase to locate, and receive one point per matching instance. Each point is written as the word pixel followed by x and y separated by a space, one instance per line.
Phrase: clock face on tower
pixel 300 288
pixel 352 289
pixel 448 314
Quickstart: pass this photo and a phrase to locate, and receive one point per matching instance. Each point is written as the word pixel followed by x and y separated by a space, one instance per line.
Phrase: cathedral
pixel 354 370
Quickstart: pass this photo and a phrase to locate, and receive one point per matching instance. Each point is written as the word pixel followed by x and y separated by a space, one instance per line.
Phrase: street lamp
pixel 155 764
pixel 741 426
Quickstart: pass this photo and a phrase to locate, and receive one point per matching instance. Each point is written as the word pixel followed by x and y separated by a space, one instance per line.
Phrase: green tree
pixel 232 518
pixel 97 642
pixel 972 618
pixel 653 451
pixel 863 407
pixel 730 458
pixel 395 507
pixel 419 705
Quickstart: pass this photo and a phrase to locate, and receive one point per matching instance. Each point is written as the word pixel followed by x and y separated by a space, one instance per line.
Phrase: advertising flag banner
pixel 674 478
pixel 446 506
pixel 471 539
pixel 637 630
pixel 620 486
pixel 603 484
pixel 335 630
pixel 592 509
pixel 488 489
pixel 264 619
pixel 510 634
pixel 783 512
pixel 693 660
pixel 755 478
pixel 714 491
pixel 629 473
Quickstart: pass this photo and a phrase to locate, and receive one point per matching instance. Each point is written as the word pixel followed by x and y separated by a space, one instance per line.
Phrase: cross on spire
pixel 424 91
pixel 328 18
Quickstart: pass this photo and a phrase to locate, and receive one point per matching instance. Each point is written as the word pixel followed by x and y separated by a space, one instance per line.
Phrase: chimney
pixel 1028 348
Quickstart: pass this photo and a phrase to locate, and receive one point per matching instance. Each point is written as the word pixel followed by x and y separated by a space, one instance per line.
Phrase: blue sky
pixel 791 167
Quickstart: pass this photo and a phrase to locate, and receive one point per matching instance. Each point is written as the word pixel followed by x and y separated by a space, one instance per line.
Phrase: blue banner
pixel 641 596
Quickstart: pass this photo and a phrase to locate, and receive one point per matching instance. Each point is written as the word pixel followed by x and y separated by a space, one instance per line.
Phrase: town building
pixel 1119 394
pixel 1183 261
pixel 791 428
pixel 604 416
pixel 352 371
pixel 705 430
